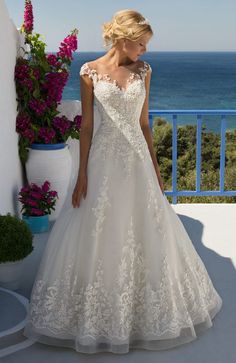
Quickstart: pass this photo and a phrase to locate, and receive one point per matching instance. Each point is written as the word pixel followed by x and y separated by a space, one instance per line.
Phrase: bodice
pixel 120 109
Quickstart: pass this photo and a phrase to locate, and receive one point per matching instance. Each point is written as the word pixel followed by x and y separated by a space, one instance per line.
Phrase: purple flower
pixel 46 186
pixel 53 194
pixel 78 121
pixel 28 83
pixel 55 82
pixel 36 195
pixel 62 124
pixel 22 122
pixel 37 200
pixel 36 212
pixel 22 70
pixel 46 134
pixel 52 60
pixel 28 17
pixel 35 187
pixel 29 134
pixel 38 106
pixel 25 189
pixel 31 202
pixel 68 45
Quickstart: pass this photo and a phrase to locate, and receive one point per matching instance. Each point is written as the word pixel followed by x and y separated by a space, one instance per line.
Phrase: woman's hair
pixel 127 24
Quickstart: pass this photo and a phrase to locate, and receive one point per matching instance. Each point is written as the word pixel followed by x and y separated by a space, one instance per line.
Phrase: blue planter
pixel 60 145
pixel 37 224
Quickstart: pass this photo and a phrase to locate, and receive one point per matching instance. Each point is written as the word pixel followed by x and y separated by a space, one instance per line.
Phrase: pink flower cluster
pixel 22 71
pixel 55 83
pixel 39 106
pixel 46 135
pixel 52 60
pixel 23 122
pixel 62 124
pixel 28 17
pixel 36 200
pixel 68 45
pixel 78 121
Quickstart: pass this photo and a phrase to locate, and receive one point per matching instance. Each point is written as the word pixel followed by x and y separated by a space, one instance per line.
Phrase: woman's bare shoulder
pixel 96 63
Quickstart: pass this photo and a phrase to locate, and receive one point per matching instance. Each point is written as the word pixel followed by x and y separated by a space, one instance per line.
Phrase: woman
pixel 119 270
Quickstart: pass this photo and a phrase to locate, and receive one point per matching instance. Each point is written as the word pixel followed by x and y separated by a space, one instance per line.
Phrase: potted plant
pixel 15 244
pixel 37 204
pixel 40 78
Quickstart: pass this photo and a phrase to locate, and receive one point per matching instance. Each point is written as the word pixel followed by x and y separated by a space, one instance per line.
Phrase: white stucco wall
pixel 11 176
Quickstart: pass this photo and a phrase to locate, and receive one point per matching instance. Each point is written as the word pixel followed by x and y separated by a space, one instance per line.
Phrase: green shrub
pixel 15 239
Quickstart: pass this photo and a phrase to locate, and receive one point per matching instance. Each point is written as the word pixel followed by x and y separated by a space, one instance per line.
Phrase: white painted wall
pixel 11 176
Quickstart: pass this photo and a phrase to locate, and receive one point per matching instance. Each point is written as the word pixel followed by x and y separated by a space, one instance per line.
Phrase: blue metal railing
pixel 198 113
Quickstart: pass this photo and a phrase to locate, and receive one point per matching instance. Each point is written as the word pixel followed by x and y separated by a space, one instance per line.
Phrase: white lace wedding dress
pixel 120 271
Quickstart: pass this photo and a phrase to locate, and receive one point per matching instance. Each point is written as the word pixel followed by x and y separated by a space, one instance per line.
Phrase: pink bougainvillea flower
pixel 46 186
pixel 29 134
pixel 37 200
pixel 46 134
pixel 28 17
pixel 22 122
pixel 68 45
pixel 39 106
pixel 78 121
pixel 36 212
pixel 62 124
pixel 32 203
pixel 36 195
pixel 52 60
pixel 53 193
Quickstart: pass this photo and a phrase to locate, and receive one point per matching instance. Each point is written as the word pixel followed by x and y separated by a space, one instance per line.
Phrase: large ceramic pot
pixel 50 162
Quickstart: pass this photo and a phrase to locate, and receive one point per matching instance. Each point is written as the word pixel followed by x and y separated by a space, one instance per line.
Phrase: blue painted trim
pixel 48 146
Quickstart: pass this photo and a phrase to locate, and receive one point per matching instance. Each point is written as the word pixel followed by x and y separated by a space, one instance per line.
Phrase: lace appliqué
pixel 156 207
pixel 100 209
pixel 96 77
pixel 131 306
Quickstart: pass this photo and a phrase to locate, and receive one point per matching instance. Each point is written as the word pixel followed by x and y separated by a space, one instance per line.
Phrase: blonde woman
pixel 119 271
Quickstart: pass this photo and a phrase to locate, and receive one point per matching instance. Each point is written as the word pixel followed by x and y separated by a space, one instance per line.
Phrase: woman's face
pixel 134 49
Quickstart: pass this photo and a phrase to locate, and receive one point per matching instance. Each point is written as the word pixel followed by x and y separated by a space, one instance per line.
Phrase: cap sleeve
pixel 86 70
pixel 146 68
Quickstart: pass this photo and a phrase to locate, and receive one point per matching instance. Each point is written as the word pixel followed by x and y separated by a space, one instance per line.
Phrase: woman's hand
pixel 80 189
pixel 160 181
pixel 161 185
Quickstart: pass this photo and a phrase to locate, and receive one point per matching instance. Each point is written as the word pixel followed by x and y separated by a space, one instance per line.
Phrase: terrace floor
pixel 212 229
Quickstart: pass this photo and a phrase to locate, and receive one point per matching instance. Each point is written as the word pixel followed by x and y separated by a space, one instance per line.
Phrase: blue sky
pixel 178 25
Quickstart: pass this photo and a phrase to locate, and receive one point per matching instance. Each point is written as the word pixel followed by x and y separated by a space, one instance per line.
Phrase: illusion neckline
pixel 105 77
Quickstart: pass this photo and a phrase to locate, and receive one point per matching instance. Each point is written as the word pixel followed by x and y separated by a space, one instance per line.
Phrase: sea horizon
pixel 180 80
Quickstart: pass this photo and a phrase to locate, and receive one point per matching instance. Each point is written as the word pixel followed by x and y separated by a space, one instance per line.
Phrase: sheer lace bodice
pixel 119 134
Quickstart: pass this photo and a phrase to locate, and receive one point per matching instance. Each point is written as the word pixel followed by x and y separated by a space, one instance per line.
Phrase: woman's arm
pixel 86 132
pixel 144 123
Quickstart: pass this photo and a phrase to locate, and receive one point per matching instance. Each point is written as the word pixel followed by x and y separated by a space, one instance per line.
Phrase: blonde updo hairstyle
pixel 124 24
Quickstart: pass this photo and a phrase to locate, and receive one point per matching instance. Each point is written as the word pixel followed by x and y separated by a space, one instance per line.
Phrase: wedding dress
pixel 120 272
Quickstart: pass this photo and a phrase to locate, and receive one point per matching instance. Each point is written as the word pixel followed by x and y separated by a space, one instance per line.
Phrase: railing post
pixel 198 153
pixel 174 159
pixel 222 153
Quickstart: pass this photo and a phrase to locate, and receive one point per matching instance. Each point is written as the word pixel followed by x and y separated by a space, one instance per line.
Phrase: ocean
pixel 180 80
